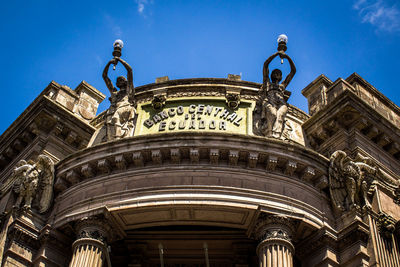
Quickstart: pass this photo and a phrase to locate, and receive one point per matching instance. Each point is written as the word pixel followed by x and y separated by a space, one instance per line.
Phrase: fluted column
pixel 275 248
pixel 90 249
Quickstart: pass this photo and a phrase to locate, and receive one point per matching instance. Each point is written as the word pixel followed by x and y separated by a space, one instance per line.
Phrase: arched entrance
pixel 184 246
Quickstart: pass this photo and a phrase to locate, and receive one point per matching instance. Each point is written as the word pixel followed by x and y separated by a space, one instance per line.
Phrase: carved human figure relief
pixel 271 108
pixel 121 113
pixel 33 182
pixel 351 180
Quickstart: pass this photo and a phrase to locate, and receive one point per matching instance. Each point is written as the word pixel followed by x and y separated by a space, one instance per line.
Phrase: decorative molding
pixel 313 171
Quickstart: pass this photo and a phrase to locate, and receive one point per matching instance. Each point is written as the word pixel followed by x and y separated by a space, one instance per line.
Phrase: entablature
pixel 190 149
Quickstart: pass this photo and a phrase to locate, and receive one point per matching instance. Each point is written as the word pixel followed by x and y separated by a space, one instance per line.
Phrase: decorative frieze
pixel 299 168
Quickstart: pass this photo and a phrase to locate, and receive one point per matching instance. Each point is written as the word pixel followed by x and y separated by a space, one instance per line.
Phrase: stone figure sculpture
pixel 273 97
pixel 34 181
pixel 350 180
pixel 121 113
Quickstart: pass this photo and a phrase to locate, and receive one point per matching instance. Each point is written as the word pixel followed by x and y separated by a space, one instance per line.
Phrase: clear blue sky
pixel 71 41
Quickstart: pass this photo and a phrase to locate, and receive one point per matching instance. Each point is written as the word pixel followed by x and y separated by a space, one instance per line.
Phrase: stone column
pixel 90 248
pixel 275 248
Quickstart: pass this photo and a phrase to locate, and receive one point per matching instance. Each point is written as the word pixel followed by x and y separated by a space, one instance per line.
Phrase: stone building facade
pixel 195 183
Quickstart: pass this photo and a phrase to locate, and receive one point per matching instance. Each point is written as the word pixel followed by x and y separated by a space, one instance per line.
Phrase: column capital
pixel 269 225
pixel 93 227
pixel 274 229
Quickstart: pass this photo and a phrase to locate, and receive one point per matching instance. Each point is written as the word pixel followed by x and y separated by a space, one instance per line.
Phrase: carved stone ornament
pixel 33 183
pixel 158 102
pixel 270 227
pixel 351 180
pixel 386 225
pixel 233 100
pixel 94 227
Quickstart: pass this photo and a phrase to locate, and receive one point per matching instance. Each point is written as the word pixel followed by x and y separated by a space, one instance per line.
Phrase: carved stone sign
pixel 193 115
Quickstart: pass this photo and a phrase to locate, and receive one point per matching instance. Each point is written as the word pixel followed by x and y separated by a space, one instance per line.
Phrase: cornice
pixel 240 152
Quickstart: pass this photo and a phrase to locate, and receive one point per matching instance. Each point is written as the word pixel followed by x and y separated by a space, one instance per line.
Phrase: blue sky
pixel 71 41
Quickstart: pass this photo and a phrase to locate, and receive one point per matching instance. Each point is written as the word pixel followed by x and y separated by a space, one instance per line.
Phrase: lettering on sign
pixel 197 117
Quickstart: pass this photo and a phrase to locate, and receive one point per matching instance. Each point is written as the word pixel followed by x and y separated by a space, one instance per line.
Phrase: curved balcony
pixel 193 178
